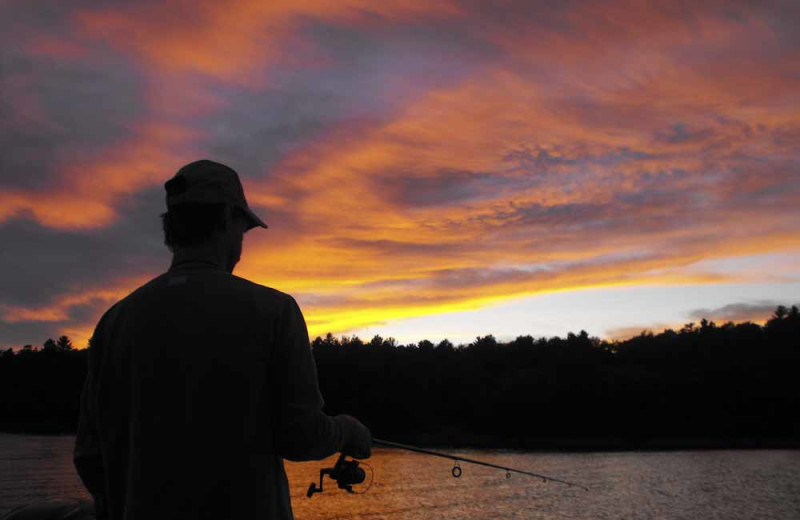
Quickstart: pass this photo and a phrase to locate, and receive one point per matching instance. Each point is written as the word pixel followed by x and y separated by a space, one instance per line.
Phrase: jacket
pixel 199 385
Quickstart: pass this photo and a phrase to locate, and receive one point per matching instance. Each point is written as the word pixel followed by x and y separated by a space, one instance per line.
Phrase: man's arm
pixel 303 431
pixel 87 456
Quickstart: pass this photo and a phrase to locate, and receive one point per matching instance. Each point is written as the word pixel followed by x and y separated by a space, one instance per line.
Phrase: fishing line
pixel 456 471
pixel 371 479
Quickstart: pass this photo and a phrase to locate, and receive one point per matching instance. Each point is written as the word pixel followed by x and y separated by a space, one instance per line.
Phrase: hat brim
pixel 254 220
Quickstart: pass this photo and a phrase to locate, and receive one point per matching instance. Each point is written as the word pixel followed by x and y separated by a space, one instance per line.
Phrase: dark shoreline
pixel 707 387
pixel 477 442
pixel 605 445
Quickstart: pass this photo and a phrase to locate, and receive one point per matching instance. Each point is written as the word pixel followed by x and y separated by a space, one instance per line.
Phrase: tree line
pixel 701 386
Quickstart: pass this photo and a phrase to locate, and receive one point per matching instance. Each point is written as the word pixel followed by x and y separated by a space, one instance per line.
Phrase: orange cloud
pixel 89 188
pixel 60 310
pixel 235 40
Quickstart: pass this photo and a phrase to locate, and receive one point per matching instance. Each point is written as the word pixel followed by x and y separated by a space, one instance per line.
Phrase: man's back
pixel 192 374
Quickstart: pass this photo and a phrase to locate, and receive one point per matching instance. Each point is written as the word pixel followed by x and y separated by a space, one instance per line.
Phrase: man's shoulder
pixel 263 292
pixel 130 297
pixel 141 290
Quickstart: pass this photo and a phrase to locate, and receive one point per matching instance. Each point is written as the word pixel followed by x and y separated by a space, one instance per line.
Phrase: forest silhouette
pixel 705 385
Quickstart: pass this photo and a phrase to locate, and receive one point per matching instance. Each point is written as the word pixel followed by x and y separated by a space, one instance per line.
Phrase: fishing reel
pixel 345 473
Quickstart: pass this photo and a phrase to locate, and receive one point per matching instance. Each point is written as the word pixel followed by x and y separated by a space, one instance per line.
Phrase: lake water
pixel 698 485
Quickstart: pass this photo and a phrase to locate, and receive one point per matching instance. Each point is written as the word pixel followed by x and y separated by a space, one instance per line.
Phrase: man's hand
pixel 358 439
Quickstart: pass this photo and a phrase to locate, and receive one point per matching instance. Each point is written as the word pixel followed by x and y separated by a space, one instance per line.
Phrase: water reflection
pixel 679 485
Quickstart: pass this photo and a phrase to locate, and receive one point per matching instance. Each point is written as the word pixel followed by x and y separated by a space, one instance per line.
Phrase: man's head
pixel 206 207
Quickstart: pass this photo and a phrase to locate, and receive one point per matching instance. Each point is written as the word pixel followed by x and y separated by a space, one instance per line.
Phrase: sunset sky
pixel 428 169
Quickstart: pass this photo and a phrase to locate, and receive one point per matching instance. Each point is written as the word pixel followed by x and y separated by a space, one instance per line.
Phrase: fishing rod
pixel 457 469
pixel 347 473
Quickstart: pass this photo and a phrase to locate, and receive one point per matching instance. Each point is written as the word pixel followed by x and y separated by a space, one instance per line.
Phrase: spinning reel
pixel 345 472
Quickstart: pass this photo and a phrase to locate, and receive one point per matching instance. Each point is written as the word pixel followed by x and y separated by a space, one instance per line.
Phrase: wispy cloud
pixel 757 312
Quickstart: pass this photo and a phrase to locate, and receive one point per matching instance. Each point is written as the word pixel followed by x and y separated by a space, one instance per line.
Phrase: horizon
pixel 428 170
pixel 394 342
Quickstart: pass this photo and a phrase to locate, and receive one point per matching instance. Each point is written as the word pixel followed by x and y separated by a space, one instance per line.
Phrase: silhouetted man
pixel 200 383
